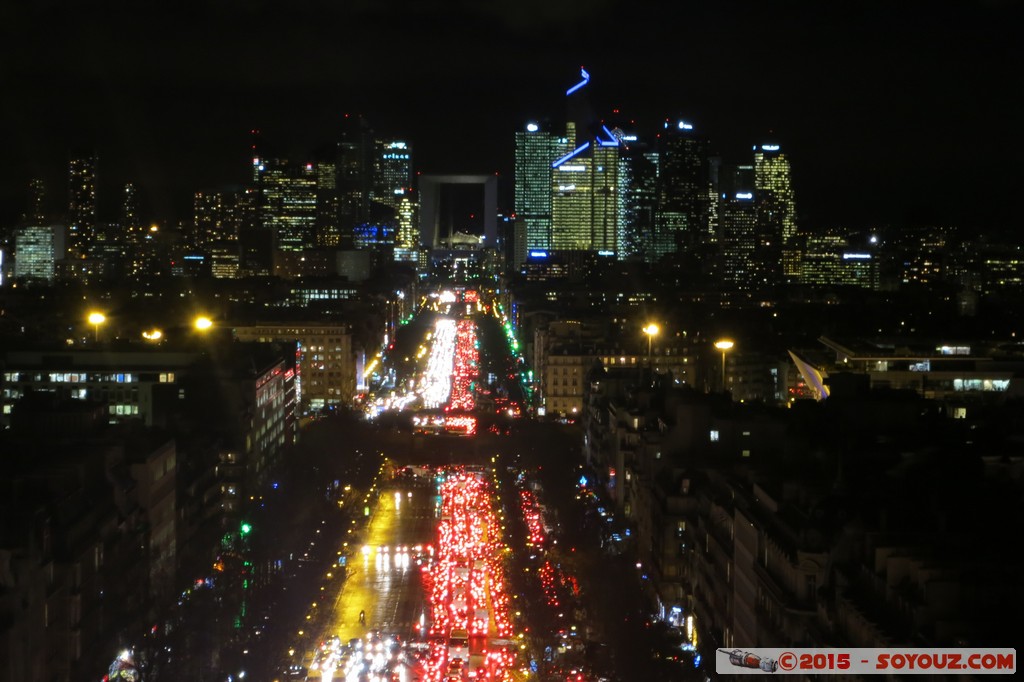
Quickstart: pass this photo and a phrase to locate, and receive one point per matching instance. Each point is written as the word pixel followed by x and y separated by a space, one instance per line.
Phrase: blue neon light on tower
pixel 610 141
pixel 586 79
pixel 571 154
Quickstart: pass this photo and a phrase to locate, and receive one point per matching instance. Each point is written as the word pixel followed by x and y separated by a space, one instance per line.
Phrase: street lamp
pixel 724 345
pixel 152 335
pixel 96 319
pixel 203 323
pixel 651 330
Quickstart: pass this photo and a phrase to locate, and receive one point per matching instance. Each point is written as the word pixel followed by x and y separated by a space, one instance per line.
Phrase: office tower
pixel 580 118
pixel 640 201
pixel 830 260
pixel 37 248
pixel 392 178
pixel 587 202
pixel 255 244
pixel 380 237
pixel 288 203
pixel 608 192
pixel 255 151
pixel 738 240
pixel 327 203
pixel 81 208
pixel 777 208
pixel 588 183
pixel 407 243
pixel 683 222
pixel 208 216
pixel 536 150
pixel 355 176
pixel 715 172
pixel 217 225
pixel 130 209
pixel 36 210
pixel 516 244
pixel 820 264
pixel 132 228
pixel 571 209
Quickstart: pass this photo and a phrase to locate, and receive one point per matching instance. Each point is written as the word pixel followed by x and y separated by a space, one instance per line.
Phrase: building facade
pixel 81 208
pixel 536 150
pixel 776 211
pixel 37 250
pixel 326 364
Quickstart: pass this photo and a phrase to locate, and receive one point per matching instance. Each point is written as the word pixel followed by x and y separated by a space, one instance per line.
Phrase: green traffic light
pixel 246 528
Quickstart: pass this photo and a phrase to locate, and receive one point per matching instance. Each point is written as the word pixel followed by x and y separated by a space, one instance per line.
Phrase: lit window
pixel 714 436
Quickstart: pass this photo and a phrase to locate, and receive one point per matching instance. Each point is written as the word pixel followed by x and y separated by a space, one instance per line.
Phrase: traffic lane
pixel 384 583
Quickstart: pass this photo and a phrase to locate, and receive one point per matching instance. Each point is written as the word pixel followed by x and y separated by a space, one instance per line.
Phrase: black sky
pixel 893 112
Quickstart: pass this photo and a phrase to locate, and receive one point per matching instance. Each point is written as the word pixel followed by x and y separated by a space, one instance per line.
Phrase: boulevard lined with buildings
pixel 804 436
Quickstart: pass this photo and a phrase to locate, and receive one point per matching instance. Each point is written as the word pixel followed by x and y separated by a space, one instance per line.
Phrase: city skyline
pixel 889 117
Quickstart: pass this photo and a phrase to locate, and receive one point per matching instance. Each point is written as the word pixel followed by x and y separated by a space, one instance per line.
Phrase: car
pixel 456 670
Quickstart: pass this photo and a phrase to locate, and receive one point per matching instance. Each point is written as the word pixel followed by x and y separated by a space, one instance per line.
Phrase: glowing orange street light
pixel 97 318
pixel 651 330
pixel 203 323
pixel 724 345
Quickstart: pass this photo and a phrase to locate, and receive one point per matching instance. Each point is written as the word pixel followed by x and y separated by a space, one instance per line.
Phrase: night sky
pixel 893 112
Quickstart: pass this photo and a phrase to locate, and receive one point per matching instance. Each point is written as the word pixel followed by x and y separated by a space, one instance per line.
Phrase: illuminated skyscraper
pixel 829 259
pixel 81 208
pixel 573 192
pixel 131 223
pixel 355 176
pixel 407 240
pixel 392 172
pixel 36 210
pixel 536 150
pixel 589 181
pixel 587 204
pixel 640 200
pixel 777 207
pixel 571 208
pixel 327 231
pixel 683 221
pixel 37 248
pixel 738 241
pixel 288 203
pixel 217 226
